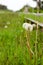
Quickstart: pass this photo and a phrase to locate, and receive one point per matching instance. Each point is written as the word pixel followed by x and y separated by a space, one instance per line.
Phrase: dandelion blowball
pixel 5 26
pixel 27 26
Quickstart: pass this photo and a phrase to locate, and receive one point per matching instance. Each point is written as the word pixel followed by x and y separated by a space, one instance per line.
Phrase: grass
pixel 35 17
pixel 13 49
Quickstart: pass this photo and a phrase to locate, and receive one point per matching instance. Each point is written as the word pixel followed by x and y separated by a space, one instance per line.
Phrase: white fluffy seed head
pixel 33 25
pixel 5 26
pixel 27 26
pixel 31 28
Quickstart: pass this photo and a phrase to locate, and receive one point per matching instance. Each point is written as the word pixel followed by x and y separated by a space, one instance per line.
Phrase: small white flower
pixel 5 26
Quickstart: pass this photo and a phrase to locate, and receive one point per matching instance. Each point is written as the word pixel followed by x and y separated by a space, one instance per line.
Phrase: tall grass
pixel 13 48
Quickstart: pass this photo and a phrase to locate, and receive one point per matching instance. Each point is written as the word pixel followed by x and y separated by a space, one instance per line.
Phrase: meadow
pixel 13 48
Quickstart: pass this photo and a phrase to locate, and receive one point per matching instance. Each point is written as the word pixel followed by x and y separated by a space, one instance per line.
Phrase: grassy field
pixel 13 48
pixel 35 17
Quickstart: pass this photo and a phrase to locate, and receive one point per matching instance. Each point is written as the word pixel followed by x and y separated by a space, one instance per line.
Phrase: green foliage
pixel 13 49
